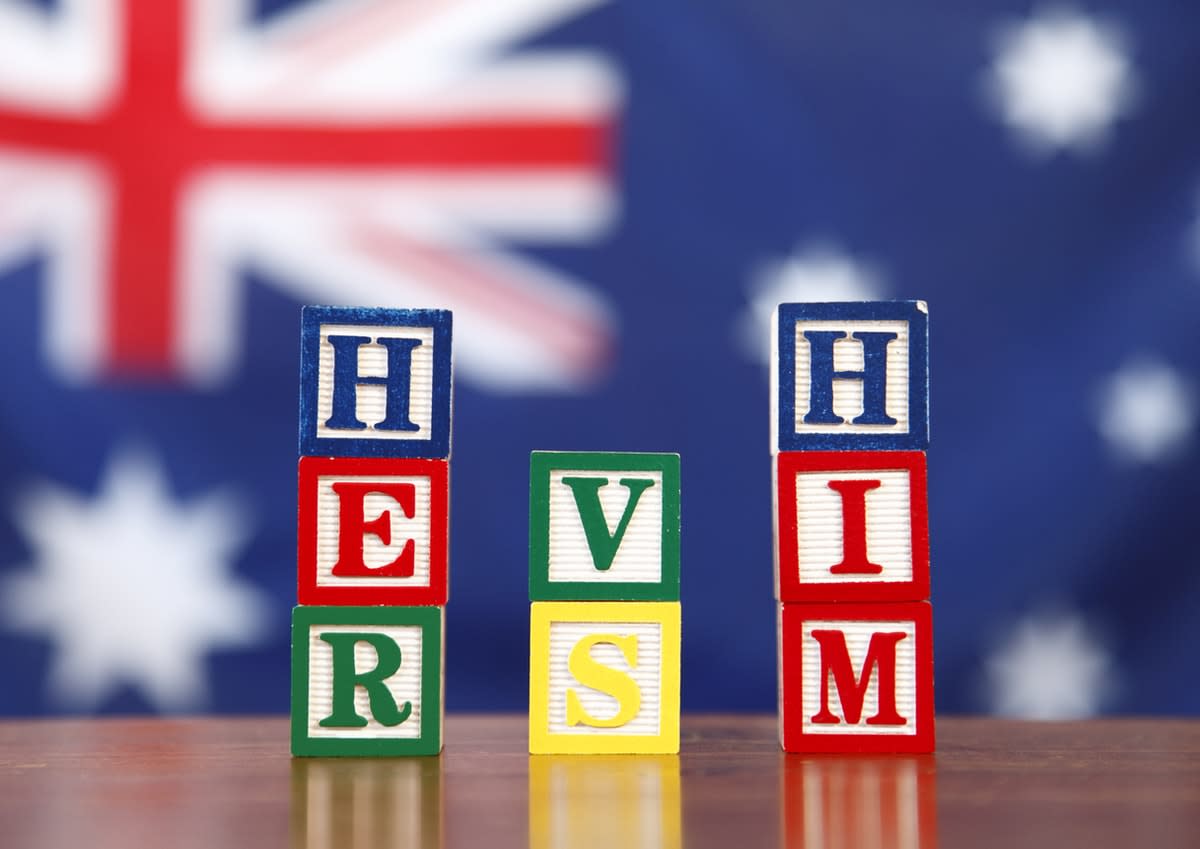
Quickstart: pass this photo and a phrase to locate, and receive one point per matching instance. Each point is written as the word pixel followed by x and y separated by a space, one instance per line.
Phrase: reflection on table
pixel 609 801
pixel 362 803
pixel 859 802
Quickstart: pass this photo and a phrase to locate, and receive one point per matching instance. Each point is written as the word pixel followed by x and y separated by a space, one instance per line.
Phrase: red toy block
pixel 856 677
pixel 372 531
pixel 851 526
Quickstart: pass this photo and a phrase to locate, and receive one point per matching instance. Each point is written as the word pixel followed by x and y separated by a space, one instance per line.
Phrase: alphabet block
pixel 372 531
pixel 604 678
pixel 366 681
pixel 851 526
pixel 375 382
pixel 603 526
pixel 850 376
pixel 856 677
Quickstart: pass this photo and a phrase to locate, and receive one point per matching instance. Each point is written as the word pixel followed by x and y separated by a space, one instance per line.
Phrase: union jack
pixel 361 150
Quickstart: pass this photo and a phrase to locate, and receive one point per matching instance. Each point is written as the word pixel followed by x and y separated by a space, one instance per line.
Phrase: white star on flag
pixel 132 587
pixel 815 273
pixel 1147 411
pixel 1060 79
pixel 1051 667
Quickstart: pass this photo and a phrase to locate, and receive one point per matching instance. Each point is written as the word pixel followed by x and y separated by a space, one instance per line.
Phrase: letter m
pixel 852 688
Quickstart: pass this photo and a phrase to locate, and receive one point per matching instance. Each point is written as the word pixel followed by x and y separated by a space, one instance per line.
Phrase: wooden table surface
pixel 217 783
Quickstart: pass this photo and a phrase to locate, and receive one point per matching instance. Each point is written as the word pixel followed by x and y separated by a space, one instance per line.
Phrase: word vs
pixel 850 425
pixel 375 408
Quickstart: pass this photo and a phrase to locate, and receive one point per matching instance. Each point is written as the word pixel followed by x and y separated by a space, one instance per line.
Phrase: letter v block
pixel 372 531
pixel 851 526
pixel 604 677
pixel 375 382
pixel 366 681
pixel 850 376
pixel 856 677
pixel 603 526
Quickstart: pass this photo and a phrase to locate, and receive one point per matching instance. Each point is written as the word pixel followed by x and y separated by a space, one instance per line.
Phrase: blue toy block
pixel 375 382
pixel 838 376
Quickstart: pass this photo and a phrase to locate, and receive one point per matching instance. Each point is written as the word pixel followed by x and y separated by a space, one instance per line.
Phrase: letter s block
pixel 850 376
pixel 366 681
pixel 604 678
pixel 856 677
pixel 372 531
pixel 375 382
pixel 851 526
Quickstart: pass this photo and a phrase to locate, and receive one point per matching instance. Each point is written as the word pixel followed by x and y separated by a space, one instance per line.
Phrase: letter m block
pixel 372 531
pixel 850 376
pixel 366 681
pixel 856 677
pixel 375 382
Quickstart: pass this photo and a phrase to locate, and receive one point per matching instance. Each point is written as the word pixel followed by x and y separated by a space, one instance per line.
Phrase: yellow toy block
pixel 604 677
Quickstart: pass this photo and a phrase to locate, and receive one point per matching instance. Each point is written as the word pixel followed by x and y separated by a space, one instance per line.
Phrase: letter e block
pixel 372 531
pixel 851 526
pixel 850 376
pixel 604 678
pixel 603 526
pixel 375 382
pixel 366 681
pixel 856 677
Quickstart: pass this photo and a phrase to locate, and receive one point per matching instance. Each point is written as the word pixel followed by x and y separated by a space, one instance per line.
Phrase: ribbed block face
pixel 604 677
pixel 850 376
pixel 366 680
pixel 603 526
pixel 851 526
pixel 375 382
pixel 373 531
pixel 856 677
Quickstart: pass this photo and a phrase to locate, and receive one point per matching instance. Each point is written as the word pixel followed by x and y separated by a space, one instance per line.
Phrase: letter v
pixel 595 527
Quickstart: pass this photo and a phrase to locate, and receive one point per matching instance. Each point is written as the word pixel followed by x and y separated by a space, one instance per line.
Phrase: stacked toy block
pixel 605 616
pixel 850 425
pixel 367 649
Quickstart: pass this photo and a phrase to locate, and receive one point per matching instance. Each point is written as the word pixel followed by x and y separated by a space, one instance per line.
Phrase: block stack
pixel 605 616
pixel 367 644
pixel 850 426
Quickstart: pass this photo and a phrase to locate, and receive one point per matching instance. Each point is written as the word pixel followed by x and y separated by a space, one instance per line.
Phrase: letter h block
pixel 366 681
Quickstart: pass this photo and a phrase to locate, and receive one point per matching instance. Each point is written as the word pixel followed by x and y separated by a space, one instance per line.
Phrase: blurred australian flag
pixel 612 197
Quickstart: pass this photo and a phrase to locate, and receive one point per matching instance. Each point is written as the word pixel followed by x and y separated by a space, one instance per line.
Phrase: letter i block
pixel 366 681
pixel 603 526
pixel 375 382
pixel 604 678
pixel 372 531
pixel 851 526
pixel 856 677
pixel 850 376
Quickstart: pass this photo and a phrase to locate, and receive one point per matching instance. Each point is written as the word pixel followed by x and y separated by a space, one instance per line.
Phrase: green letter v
pixel 595 526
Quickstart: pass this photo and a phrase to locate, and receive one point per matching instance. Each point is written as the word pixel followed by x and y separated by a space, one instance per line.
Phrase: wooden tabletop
pixel 217 783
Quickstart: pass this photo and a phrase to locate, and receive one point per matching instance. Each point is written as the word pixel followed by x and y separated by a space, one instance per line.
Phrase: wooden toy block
pixel 851 526
pixel 856 677
pixel 604 678
pixel 603 526
pixel 367 681
pixel 850 376
pixel 375 382
pixel 878 801
pixel 641 802
pixel 372 531
pixel 351 802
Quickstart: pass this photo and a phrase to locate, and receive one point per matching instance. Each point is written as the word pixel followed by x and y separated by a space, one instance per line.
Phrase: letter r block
pixel 372 531
pixel 375 382
pixel 603 526
pixel 850 376
pixel 851 526
pixel 604 678
pixel 856 677
pixel 366 681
